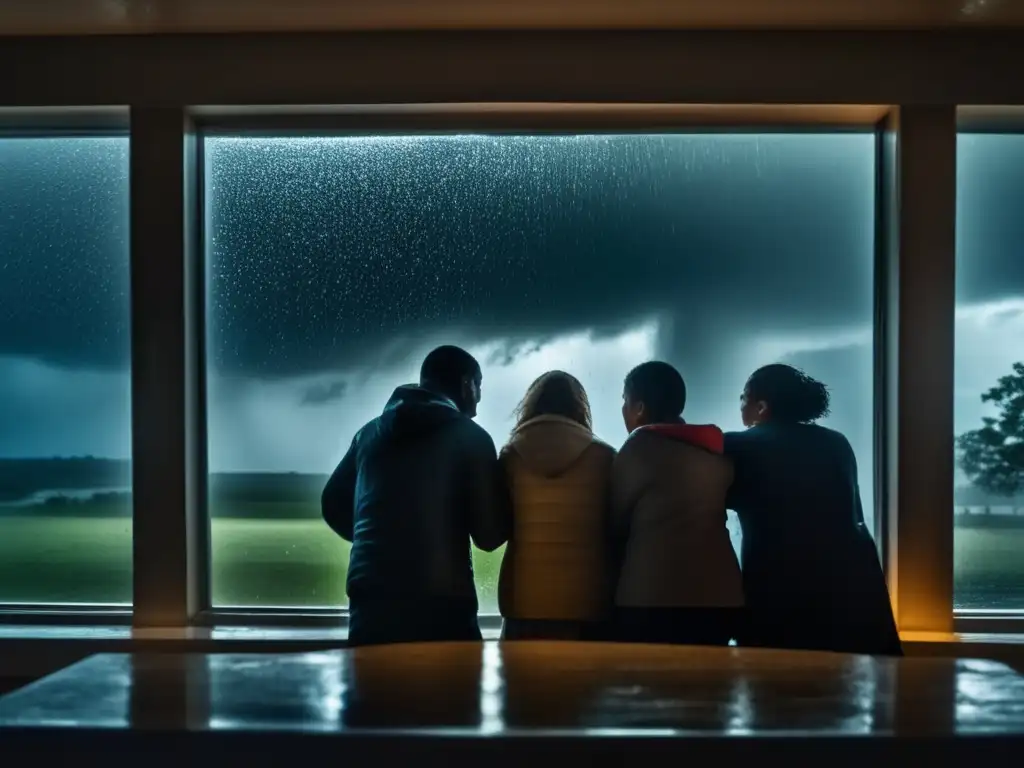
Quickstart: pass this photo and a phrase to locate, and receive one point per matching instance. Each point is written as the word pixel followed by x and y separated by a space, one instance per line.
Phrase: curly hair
pixel 791 395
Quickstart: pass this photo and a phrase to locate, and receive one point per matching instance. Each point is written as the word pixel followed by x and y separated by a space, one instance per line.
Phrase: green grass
pixel 301 562
pixel 63 558
pixel 50 559
pixel 260 562
pixel 988 568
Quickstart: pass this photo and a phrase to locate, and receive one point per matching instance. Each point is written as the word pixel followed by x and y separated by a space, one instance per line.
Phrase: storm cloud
pixel 333 263
pixel 322 393
pixel 64 277
pixel 329 253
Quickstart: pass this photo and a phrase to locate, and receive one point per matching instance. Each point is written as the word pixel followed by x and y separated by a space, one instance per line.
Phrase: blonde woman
pixel 554 580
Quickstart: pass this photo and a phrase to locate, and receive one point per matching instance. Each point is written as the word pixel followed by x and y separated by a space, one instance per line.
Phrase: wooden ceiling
pixel 78 17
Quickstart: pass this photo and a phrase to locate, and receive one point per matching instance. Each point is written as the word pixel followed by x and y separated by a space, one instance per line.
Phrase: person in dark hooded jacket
pixel 418 483
pixel 679 579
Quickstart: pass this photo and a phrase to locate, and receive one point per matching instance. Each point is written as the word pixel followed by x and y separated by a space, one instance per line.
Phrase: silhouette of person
pixel 416 485
pixel 811 573
pixel 679 580
pixel 554 581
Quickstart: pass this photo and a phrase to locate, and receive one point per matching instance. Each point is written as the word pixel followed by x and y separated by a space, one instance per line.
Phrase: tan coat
pixel 556 563
pixel 669 523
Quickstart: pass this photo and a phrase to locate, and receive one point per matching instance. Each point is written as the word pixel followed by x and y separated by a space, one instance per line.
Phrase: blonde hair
pixel 555 393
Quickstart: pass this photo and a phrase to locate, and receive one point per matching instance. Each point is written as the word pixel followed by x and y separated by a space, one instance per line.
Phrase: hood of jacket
pixel 414 410
pixel 706 436
pixel 550 445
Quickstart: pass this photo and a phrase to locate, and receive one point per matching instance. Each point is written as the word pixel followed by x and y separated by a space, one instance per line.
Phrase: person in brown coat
pixel 554 580
pixel 679 579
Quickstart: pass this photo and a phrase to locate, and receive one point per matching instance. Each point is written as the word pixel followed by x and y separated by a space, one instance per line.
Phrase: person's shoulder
pixel 827 433
pixel 735 437
pixel 831 438
pixel 641 449
pixel 600 452
pixel 631 447
pixel 809 439
pixel 630 462
pixel 734 442
pixel 366 432
pixel 599 446
pixel 635 441
pixel 473 435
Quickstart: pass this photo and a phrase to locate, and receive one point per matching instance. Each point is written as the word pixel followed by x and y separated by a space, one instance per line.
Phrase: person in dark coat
pixel 418 483
pixel 811 572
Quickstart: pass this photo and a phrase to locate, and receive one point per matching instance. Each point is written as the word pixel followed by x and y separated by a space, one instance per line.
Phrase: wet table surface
pixel 516 704
pixel 523 689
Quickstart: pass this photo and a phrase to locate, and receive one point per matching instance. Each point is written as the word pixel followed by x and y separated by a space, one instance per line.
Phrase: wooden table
pixel 506 703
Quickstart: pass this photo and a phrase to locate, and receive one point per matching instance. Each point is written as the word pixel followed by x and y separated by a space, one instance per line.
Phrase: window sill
pixel 1006 647
pixel 196 638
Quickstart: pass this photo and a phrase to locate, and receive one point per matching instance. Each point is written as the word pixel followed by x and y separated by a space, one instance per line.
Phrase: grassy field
pixel 255 562
pixel 301 562
pixel 988 568
pixel 268 562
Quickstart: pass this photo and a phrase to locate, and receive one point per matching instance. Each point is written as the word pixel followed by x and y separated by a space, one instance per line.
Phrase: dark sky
pixel 328 256
pixel 63 250
pixel 322 249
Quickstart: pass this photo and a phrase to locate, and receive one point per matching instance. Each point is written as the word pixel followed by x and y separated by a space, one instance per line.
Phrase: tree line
pixel 992 456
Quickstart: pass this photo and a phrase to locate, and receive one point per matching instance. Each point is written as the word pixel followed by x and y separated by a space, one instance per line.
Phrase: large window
pixel 989 414
pixel 65 439
pixel 334 264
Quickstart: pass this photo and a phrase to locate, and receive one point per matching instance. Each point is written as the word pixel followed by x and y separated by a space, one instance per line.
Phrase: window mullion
pixel 918 284
pixel 168 436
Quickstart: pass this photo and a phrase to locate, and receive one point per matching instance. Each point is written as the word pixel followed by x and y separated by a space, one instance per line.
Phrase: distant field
pixel 259 562
pixel 286 562
pixel 300 562
pixel 988 568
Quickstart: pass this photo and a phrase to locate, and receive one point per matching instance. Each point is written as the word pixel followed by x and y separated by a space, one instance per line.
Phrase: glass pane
pixel 335 264
pixel 989 492
pixel 65 411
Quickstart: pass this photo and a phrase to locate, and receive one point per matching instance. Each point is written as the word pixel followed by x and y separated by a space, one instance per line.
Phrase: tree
pixel 993 456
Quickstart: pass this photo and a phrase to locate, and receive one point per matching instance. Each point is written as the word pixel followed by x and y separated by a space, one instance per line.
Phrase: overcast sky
pixel 335 264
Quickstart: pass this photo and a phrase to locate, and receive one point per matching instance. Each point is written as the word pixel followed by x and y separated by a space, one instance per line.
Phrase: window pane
pixel 65 420
pixel 989 492
pixel 336 263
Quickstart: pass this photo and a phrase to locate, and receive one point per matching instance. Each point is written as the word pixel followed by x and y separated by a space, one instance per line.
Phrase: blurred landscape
pixel 65 536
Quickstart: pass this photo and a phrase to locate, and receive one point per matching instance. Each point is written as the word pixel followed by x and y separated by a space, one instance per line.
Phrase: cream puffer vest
pixel 556 565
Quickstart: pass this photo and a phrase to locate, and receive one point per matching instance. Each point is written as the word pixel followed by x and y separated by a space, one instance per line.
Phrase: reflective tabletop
pixel 527 689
